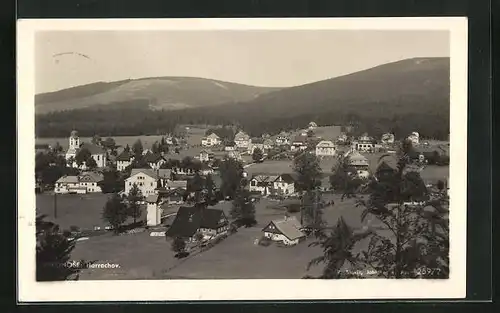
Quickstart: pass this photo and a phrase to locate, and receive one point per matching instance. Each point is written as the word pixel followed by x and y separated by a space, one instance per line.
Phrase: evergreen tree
pixel 53 252
pixel 115 212
pixel 134 197
pixel 257 155
pixel 231 173
pixel 137 149
pixel 178 246
pixel 243 209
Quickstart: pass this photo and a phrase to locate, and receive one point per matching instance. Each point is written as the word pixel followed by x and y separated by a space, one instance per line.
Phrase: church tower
pixel 74 141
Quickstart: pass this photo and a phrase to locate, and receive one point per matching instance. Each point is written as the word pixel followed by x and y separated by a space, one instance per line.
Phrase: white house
pixel 97 152
pixel 230 146
pixel 282 139
pixel 69 184
pixel 262 183
pixel 325 148
pixel 145 179
pixel 242 140
pixel 124 160
pixel 268 144
pixel 312 126
pixel 87 182
pixel 234 155
pixel 211 140
pixel 206 155
pixel 414 137
pixel 364 143
pixel 284 184
pixel 287 230
pixel 342 138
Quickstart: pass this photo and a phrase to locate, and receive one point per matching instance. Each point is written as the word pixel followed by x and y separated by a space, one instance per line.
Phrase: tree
pixel 115 212
pixel 345 178
pixel 82 156
pixel 308 170
pixel 91 163
pixel 137 148
pixel 210 186
pixel 178 245
pixel 231 173
pixel 243 209
pixel 197 186
pixel 257 155
pixel 155 148
pixel 53 252
pixel 112 181
pixel 57 148
pixel 415 235
pixel 133 197
pixel 127 148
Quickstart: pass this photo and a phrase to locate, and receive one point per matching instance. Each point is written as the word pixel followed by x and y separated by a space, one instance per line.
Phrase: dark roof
pixel 93 149
pixel 257 140
pixel 124 156
pixel 153 157
pixel 288 178
pixel 189 219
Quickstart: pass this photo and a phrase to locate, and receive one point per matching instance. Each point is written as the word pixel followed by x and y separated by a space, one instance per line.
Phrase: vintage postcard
pixel 242 159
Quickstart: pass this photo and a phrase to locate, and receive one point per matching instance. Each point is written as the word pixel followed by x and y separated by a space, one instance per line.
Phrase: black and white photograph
pixel 307 153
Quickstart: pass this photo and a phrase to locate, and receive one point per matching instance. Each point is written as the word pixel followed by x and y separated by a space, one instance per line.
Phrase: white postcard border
pixel 157 290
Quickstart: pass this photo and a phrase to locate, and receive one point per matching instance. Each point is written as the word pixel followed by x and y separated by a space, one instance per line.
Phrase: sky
pixel 277 58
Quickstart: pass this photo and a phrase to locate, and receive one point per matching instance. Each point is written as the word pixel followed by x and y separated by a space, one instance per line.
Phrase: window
pixel 98 157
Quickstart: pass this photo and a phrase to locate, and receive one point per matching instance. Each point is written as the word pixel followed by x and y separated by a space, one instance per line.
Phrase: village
pixel 167 210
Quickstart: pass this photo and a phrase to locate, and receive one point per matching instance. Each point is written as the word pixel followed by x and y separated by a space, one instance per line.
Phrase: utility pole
pixel 55 205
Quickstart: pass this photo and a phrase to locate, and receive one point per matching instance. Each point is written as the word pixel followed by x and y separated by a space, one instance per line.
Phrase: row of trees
pixel 117 210
pixel 135 122
pixel 415 237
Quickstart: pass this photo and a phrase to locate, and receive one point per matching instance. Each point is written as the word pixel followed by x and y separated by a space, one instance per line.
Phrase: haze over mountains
pixel 412 91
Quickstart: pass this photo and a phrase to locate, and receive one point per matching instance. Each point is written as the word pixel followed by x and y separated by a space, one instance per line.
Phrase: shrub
pixel 293 208
pixel 265 242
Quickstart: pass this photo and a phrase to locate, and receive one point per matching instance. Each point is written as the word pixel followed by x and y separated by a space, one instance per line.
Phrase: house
pixel 147 180
pixel 85 183
pixel 154 210
pixel 230 146
pixel 299 143
pixel 268 144
pixel 176 184
pixel 69 184
pixel 242 140
pixel 342 138
pixel 325 148
pixel 124 160
pixel 211 140
pixel 414 137
pixel 287 230
pixel 97 153
pixel 183 171
pixel 155 160
pixel 282 139
pixel 360 163
pixel 284 184
pixel 210 223
pixel 303 132
pixel 206 155
pixel 172 196
pixel 387 138
pixel 256 143
pixel 262 183
pixel 364 143
pixel 91 181
pixel 169 140
pixel 312 125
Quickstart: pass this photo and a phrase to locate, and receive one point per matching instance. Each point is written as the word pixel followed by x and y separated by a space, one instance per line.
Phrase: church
pixel 97 152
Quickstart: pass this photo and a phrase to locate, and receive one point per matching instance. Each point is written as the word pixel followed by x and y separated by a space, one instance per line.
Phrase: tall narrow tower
pixel 74 140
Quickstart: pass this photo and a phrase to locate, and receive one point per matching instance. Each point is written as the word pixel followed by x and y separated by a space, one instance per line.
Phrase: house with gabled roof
pixel 242 140
pixel 256 143
pixel 155 160
pixel 299 143
pixel 262 183
pixel 206 155
pixel 325 148
pixel 123 160
pixel 145 179
pixel 284 184
pixel 211 140
pixel 287 230
pixel 81 184
pixel 282 139
pixel 210 223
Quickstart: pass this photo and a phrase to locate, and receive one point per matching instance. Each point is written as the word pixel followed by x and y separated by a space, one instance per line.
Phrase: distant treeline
pixel 138 121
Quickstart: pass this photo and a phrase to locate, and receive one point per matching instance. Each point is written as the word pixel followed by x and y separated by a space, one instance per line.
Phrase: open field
pixel 83 211
pixel 235 257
